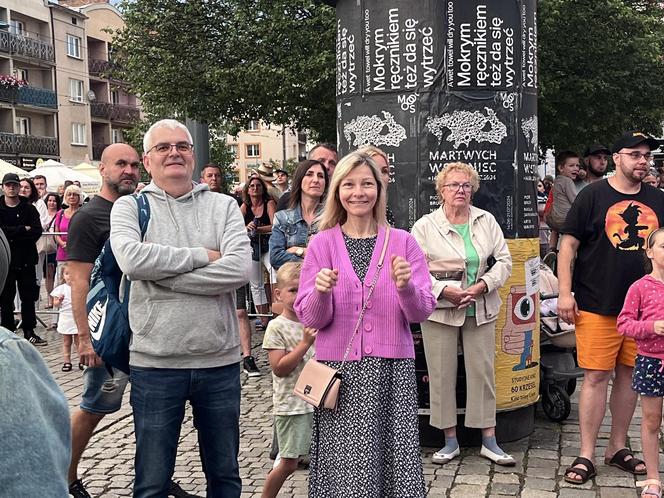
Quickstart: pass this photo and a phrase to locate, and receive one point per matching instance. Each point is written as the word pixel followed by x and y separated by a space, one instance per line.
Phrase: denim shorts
pixel 102 393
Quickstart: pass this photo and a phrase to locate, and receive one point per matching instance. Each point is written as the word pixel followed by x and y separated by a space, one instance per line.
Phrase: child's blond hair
pixel 288 272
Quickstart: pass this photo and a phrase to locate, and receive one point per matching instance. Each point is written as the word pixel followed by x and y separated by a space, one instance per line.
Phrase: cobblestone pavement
pixel 107 465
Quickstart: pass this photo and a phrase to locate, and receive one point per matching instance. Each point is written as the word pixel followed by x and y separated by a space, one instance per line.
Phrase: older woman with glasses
pixel 468 261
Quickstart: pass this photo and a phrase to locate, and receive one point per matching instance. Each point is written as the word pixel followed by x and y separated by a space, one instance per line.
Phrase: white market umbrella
pixel 56 175
pixel 6 167
pixel 89 170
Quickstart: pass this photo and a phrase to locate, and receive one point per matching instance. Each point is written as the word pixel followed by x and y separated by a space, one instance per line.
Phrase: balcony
pixel 40 97
pixel 114 112
pixel 11 143
pixel 100 68
pixel 8 94
pixel 26 47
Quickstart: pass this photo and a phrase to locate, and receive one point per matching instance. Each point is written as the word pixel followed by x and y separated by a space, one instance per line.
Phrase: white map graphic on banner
pixel 468 126
pixel 368 130
pixel 529 128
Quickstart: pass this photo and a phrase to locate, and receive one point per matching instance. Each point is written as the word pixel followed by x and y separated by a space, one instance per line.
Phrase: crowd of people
pixel 345 286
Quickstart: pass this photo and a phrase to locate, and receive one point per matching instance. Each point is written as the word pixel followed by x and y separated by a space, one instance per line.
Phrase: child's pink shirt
pixel 644 304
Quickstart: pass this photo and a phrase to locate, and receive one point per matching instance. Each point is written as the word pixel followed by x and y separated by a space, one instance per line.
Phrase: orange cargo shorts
pixel 599 346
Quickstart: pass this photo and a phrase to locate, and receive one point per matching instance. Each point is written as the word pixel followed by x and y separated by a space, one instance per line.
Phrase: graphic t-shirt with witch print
pixel 612 229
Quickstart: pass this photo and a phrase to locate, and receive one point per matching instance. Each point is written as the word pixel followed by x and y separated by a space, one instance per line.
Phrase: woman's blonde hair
pixel 74 189
pixel 459 167
pixel 334 213
pixel 372 151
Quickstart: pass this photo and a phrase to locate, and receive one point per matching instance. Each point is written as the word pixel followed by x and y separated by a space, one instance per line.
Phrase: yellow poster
pixel 517 329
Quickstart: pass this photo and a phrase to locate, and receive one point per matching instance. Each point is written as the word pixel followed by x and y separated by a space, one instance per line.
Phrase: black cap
pixel 631 139
pixel 596 149
pixel 281 171
pixel 10 178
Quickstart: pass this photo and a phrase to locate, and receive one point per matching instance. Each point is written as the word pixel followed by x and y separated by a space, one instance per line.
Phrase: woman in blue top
pixel 292 228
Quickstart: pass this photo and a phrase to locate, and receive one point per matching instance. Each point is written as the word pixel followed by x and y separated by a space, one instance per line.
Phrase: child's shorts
pixel 648 377
pixel 293 434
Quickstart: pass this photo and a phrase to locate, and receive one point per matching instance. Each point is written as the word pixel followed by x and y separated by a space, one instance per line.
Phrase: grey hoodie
pixel 181 307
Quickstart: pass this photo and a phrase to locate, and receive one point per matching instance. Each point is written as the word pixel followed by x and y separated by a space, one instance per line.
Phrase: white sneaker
pixel 504 459
pixel 442 458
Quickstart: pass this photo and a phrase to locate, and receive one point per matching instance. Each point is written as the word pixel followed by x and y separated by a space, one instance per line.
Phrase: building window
pixel 73 46
pixel 74 21
pixel 78 134
pixel 23 126
pixel 22 74
pixel 253 126
pixel 116 136
pixel 115 97
pixel 17 28
pixel 233 149
pixel 75 90
pixel 253 150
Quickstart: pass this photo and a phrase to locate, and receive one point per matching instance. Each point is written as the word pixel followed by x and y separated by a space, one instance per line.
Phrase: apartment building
pixel 261 143
pixel 28 100
pixel 112 108
pixel 69 32
pixel 57 99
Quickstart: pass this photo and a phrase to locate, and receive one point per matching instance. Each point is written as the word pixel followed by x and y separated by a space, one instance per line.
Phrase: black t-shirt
pixel 612 228
pixel 89 229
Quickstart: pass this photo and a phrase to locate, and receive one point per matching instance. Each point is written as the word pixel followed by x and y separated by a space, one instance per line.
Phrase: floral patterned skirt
pixel 369 447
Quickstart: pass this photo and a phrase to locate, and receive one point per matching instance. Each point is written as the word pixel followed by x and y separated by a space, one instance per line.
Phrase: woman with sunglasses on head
pixel 361 285
pixel 258 210
pixel 469 261
pixel 53 205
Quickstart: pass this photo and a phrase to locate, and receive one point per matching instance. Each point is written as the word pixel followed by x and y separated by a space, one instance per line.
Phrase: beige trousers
pixel 479 346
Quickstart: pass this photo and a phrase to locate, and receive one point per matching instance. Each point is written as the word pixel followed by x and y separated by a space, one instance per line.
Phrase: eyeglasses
pixel 164 148
pixel 636 155
pixel 467 187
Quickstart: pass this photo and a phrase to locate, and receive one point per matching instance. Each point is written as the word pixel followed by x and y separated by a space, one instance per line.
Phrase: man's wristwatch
pixel 299 252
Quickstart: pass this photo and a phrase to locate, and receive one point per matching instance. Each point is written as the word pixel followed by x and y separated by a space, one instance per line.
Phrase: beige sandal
pixel 649 492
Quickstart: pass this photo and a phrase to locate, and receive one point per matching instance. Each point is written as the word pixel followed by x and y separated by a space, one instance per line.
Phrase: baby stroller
pixel 558 368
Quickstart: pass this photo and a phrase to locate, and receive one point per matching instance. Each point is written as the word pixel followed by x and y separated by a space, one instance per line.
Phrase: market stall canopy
pixel 89 170
pixel 56 174
pixel 6 167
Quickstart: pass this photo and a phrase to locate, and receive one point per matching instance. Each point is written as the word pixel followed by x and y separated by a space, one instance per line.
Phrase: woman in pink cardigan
pixel 368 446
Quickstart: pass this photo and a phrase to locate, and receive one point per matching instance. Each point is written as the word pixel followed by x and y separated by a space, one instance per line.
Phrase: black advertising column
pixel 433 82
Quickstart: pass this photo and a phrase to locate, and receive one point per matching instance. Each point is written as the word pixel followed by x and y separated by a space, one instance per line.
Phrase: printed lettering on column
pixel 529 46
pixel 482 45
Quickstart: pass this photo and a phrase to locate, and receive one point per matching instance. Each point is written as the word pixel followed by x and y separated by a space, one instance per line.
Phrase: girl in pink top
pixel 642 318
pixel 369 445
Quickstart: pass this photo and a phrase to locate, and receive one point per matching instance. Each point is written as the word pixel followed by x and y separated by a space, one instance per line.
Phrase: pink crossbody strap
pixel 371 289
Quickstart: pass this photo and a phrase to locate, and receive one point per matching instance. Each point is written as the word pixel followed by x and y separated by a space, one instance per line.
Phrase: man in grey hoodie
pixel 185 345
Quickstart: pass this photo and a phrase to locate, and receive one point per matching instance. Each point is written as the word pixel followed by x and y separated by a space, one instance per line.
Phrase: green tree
pixel 600 70
pixel 226 62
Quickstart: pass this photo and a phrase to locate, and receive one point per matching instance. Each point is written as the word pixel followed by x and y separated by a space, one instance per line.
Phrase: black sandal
pixel 66 367
pixel 618 460
pixel 586 475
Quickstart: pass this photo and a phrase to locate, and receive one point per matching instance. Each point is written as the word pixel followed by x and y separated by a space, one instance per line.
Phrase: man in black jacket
pixel 19 220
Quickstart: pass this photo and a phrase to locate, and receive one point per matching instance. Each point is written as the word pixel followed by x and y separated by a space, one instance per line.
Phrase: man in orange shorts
pixel 601 255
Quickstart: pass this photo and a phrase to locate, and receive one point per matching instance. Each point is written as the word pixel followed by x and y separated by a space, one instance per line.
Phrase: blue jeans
pixel 158 398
